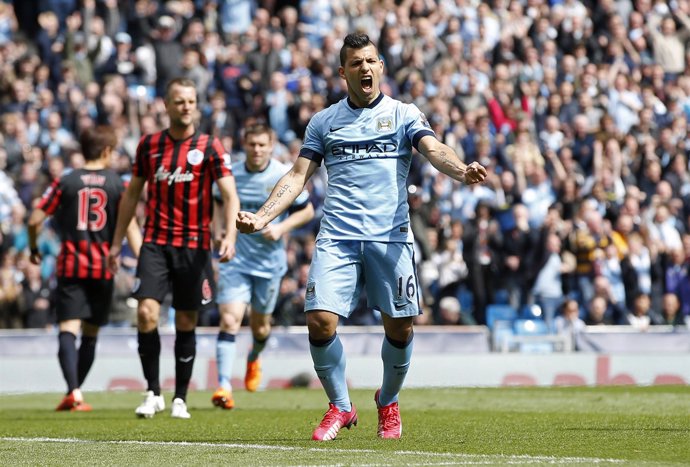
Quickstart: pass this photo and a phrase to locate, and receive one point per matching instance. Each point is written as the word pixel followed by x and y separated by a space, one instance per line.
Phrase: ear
pixel 341 72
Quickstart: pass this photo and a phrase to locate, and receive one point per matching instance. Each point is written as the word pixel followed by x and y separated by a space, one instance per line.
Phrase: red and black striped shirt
pixel 180 175
pixel 84 206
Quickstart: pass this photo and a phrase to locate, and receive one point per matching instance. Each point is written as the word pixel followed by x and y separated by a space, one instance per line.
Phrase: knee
pixel 321 326
pixel 147 316
pixel 229 323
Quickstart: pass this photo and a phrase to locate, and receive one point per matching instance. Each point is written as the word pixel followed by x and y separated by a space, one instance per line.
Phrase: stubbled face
pixel 259 148
pixel 181 106
pixel 362 72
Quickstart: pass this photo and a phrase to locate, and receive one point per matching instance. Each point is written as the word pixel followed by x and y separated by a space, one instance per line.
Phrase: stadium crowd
pixel 578 109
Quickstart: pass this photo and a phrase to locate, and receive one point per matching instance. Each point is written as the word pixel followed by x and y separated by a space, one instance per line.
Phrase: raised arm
pixel 125 213
pixel 283 195
pixel 231 208
pixel 445 160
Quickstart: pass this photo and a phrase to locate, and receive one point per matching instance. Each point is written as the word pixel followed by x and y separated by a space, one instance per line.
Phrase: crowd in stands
pixel 579 110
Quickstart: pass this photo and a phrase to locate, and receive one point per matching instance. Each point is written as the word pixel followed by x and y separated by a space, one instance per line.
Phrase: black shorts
pixel 188 271
pixel 85 299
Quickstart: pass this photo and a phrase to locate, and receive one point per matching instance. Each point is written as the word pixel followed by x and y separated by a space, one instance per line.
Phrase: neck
pixel 94 165
pixel 181 132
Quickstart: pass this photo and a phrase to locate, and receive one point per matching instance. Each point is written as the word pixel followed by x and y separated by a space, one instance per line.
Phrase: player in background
pixel 84 206
pixel 365 239
pixel 179 166
pixel 252 278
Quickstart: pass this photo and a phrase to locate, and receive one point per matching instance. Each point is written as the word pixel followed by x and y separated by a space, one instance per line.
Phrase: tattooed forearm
pixel 283 189
pixel 272 203
pixel 451 164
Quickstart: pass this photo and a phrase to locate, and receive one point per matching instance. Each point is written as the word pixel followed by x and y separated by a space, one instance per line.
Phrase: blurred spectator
pixel 670 311
pixel 568 321
pixel 639 316
pixel 586 103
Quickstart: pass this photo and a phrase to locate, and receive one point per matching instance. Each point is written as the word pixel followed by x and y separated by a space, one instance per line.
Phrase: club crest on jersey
pixel 384 124
pixel 311 290
pixel 195 157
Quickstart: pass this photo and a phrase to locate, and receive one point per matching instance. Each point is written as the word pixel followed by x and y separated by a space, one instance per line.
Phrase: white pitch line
pixel 458 457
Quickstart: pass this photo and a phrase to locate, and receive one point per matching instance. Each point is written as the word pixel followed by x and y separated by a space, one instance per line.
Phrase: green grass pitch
pixel 442 426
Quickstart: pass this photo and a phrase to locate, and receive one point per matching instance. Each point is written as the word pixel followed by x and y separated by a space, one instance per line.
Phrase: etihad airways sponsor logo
pixel 173 177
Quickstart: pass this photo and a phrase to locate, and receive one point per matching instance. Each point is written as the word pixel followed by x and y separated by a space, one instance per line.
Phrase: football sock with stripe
pixel 396 357
pixel 185 351
pixel 257 347
pixel 67 355
pixel 329 362
pixel 225 357
pixel 87 353
pixel 149 354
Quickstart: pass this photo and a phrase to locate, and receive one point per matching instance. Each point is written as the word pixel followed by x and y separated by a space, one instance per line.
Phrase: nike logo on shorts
pixel 206 301
pixel 186 359
pixel 332 129
pixel 400 307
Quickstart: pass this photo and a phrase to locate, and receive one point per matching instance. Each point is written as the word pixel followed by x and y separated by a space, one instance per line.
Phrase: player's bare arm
pixel 231 208
pixel 283 195
pixel 38 216
pixel 134 236
pixel 445 160
pixel 296 219
pixel 125 213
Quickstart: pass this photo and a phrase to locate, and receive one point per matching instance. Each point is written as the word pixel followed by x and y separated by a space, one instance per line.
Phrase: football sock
pixel 329 363
pixel 87 353
pixel 149 354
pixel 396 357
pixel 225 357
pixel 257 347
pixel 185 351
pixel 67 355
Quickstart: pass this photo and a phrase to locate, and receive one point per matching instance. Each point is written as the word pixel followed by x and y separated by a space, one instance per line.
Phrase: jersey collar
pixel 370 106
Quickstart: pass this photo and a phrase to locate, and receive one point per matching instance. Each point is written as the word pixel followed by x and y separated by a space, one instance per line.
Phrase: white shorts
pixel 340 268
pixel 260 292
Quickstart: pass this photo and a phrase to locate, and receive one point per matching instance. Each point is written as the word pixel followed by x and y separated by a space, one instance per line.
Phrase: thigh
pixel 152 279
pixel 391 278
pixel 233 286
pixel 264 294
pixel 192 279
pixel 100 299
pixel 334 282
pixel 71 301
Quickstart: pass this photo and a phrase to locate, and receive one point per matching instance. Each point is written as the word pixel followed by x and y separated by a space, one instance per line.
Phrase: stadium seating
pixel 499 312
pixel 527 332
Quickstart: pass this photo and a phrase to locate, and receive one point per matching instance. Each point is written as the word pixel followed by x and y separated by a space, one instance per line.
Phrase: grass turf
pixel 442 426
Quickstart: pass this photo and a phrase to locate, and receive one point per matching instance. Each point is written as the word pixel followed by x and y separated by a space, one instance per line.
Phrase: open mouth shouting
pixel 367 83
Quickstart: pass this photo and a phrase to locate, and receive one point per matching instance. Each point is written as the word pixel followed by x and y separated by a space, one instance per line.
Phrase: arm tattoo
pixel 448 161
pixel 268 208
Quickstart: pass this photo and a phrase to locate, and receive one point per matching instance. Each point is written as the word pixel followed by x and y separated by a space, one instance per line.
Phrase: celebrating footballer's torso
pixel 180 175
pixel 366 152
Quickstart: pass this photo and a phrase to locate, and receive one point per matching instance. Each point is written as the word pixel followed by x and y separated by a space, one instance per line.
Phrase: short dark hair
pixel 95 140
pixel 355 40
pixel 258 129
pixel 184 82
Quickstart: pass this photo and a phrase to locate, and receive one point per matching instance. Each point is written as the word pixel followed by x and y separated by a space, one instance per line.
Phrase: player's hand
pixel 35 258
pixel 226 250
pixel 475 173
pixel 248 222
pixel 114 258
pixel 272 232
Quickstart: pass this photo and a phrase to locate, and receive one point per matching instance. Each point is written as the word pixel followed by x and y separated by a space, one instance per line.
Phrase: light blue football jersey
pixel 255 255
pixel 367 153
